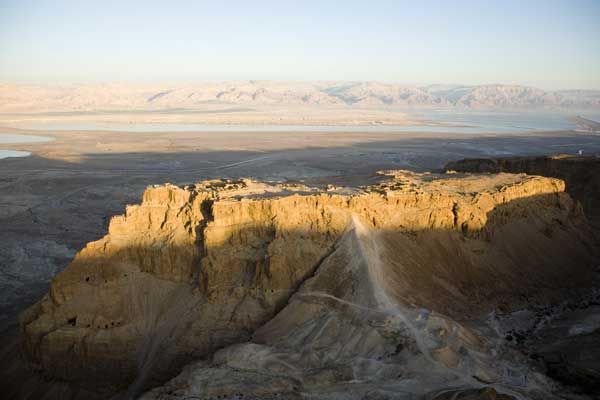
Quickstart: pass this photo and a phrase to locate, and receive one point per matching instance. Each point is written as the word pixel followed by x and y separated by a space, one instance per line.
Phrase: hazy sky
pixel 549 44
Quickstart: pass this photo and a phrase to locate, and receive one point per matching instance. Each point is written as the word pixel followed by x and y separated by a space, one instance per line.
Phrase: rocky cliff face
pixel 580 173
pixel 309 291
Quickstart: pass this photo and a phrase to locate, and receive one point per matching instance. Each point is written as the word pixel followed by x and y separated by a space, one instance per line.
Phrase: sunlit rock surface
pixel 563 337
pixel 263 290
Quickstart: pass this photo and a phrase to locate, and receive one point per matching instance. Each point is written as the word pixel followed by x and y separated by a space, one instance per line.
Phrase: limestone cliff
pixel 195 269
pixel 580 173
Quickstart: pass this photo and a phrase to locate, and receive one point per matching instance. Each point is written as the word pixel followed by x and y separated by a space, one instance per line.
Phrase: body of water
pixel 450 122
pixel 13 153
pixel 10 138
pixel 505 121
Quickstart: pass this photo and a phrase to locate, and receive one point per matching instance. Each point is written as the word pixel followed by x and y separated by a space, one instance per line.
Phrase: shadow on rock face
pixel 314 294
pixel 568 358
pixel 581 174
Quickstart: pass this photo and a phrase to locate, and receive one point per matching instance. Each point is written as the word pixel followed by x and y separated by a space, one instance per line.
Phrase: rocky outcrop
pixel 580 173
pixel 304 290
pixel 567 348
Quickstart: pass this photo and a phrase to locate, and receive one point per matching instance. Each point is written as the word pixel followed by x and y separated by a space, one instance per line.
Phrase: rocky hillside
pixel 267 290
pixel 118 97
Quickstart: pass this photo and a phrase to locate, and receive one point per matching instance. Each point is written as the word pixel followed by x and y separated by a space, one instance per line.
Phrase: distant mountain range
pixel 29 98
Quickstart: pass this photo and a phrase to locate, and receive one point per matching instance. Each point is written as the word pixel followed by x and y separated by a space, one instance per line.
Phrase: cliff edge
pixel 295 290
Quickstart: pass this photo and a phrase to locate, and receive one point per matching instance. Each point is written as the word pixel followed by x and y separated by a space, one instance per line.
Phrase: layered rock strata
pixel 580 173
pixel 304 289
